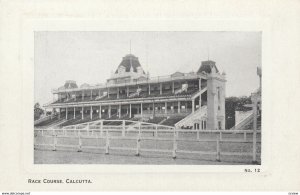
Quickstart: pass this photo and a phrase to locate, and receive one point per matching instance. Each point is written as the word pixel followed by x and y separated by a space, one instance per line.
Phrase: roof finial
pixel 130 47
pixel 208 52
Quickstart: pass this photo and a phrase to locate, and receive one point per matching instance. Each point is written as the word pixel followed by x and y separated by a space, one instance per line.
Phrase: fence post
pixel 54 140
pixel 123 129
pixel 42 132
pixel 101 129
pixel 34 141
pixel 245 136
pixel 254 100
pixel 107 143
pixel 138 143
pixel 79 143
pixel 156 133
pixel 218 150
pixel 174 145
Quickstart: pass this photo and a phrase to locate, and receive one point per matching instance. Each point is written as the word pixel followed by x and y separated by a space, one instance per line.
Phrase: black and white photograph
pixel 147 97
pixel 198 96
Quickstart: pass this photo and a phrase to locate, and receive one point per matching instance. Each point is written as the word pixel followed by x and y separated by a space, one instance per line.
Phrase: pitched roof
pixel 207 66
pixel 70 84
pixel 128 62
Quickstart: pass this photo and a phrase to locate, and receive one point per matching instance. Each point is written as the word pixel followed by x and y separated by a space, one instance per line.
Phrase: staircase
pixel 189 120
pixel 247 123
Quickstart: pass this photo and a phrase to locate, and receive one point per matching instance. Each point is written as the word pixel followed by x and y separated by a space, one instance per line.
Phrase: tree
pixel 37 111
pixel 233 104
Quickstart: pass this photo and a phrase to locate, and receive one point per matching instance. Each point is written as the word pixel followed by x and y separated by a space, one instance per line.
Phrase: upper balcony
pixel 152 80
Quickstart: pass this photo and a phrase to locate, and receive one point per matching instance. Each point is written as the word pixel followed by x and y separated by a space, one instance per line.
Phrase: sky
pixel 91 57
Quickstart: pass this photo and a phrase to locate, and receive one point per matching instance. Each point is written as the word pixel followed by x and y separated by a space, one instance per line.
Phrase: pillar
pixel 199 84
pixel 108 92
pixel 119 110
pixel 193 105
pixel 160 89
pixel 178 106
pixel 173 87
pixel 149 89
pixel 91 112
pixel 82 113
pixel 91 94
pixel 166 107
pixel 74 112
pixel 118 95
pixel 82 95
pixel 66 113
pixel 109 111
pixel 59 113
pixel 127 90
pixel 129 110
pixel 100 111
pixel 142 109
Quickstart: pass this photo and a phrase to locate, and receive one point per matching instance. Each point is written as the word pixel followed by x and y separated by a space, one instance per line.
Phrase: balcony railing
pixel 151 80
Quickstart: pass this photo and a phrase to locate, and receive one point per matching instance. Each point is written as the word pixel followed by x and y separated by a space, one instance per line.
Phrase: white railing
pixel 244 122
pixel 42 119
pixel 188 119
pixel 149 81
pixel 175 136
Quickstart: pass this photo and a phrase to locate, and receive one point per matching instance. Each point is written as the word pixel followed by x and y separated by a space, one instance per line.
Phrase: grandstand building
pixel 184 100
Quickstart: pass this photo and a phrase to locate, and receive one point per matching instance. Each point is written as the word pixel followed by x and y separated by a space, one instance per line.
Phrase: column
pixel 109 111
pixel 142 109
pixel 118 95
pixel 66 113
pixel 127 91
pixel 100 111
pixel 199 84
pixel 160 89
pixel 149 89
pixel 74 112
pixel 200 101
pixel 82 95
pixel 166 107
pixel 119 110
pixel 173 87
pixel 193 106
pixel 178 106
pixel 75 96
pixel 59 113
pixel 91 94
pixel 108 92
pixel 129 110
pixel 91 112
pixel 153 109
pixel 82 113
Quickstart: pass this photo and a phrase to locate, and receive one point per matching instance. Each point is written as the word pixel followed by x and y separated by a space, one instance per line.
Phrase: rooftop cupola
pixel 208 66
pixel 130 63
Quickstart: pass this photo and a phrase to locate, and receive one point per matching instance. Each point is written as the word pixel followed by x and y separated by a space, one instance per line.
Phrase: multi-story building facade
pixel 184 100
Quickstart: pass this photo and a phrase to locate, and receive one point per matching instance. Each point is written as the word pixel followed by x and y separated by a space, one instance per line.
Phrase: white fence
pixel 142 133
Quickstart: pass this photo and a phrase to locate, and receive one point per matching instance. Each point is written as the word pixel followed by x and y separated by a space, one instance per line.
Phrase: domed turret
pixel 130 63
pixel 208 67
pixel 128 70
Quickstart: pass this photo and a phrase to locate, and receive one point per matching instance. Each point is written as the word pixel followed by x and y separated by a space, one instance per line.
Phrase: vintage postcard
pixel 107 99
